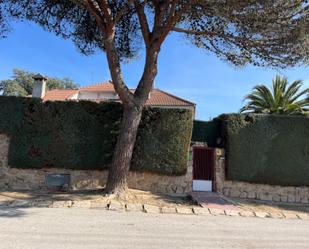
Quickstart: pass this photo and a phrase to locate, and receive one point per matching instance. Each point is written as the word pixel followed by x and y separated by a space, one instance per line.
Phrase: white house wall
pixel 75 96
pixel 96 95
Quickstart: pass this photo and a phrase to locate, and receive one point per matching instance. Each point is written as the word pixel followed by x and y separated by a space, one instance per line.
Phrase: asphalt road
pixel 92 228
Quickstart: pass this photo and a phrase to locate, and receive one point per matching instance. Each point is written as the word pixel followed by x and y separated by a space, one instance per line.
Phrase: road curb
pixel 147 208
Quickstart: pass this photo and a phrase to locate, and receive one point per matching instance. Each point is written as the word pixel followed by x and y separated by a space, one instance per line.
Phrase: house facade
pixel 105 92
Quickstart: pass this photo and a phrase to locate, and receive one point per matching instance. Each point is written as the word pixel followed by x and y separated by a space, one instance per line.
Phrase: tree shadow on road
pixel 12 204
pixel 10 212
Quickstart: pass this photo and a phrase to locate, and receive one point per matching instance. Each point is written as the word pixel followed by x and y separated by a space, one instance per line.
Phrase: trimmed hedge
pixel 163 141
pixel 206 131
pixel 268 149
pixel 82 135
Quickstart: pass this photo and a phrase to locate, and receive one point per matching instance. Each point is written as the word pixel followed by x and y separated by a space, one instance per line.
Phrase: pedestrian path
pixel 213 200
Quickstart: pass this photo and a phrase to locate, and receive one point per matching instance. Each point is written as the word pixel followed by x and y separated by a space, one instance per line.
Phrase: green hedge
pixel 82 135
pixel 163 141
pixel 206 131
pixel 267 149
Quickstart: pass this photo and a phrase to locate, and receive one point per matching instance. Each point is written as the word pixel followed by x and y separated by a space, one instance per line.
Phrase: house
pixel 103 92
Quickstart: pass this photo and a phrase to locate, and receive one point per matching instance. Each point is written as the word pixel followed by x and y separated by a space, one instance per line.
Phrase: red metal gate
pixel 203 163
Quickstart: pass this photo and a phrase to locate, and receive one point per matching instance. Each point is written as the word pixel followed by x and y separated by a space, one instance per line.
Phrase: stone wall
pixel 255 191
pixel 32 179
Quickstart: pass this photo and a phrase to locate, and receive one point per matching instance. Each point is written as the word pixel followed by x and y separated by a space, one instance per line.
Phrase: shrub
pixel 162 142
pixel 82 135
pixel 269 149
pixel 206 131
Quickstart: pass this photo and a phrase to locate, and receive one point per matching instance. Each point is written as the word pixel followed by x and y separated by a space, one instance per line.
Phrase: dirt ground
pixel 272 207
pixel 133 197
pixel 145 197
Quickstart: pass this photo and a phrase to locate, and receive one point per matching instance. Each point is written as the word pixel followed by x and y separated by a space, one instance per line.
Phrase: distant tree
pixel 260 32
pixel 281 99
pixel 22 82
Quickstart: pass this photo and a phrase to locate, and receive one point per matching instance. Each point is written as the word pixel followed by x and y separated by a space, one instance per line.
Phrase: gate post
pixel 219 170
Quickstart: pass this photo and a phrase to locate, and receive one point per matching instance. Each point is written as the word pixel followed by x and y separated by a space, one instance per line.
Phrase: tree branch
pixel 105 8
pixel 192 32
pixel 124 93
pixel 154 43
pixel 88 5
pixel 172 19
pixel 143 21
pixel 149 73
pixel 229 37
pixel 108 30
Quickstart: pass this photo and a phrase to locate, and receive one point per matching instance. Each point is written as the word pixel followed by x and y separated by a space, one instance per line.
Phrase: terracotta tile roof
pixel 105 86
pixel 157 96
pixel 59 94
pixel 161 98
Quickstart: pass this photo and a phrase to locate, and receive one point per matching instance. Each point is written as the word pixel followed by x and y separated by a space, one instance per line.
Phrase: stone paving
pixel 98 202
pixel 213 200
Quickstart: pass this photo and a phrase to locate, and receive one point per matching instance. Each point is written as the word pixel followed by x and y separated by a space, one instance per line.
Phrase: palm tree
pixel 281 99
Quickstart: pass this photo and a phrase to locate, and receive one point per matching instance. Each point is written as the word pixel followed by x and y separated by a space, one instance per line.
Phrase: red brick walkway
pixel 212 200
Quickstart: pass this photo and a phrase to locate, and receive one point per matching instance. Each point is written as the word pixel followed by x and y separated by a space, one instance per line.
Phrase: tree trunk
pixel 118 173
pixel 133 106
pixel 133 103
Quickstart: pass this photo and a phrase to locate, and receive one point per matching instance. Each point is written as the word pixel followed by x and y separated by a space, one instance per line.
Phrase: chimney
pixel 39 86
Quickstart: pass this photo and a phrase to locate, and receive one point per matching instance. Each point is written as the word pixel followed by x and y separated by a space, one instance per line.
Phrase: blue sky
pixel 194 74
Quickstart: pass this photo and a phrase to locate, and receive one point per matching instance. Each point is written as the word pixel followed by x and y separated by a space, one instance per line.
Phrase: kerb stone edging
pixel 152 209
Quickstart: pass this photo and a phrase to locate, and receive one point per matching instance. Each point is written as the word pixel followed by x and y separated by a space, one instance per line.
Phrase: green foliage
pixel 12 88
pixel 268 149
pixel 264 32
pixel 162 142
pixel 82 135
pixel 206 131
pixel 22 83
pixel 281 99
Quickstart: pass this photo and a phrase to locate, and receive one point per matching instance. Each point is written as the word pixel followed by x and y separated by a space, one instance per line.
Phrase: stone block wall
pixel 34 179
pixel 261 192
